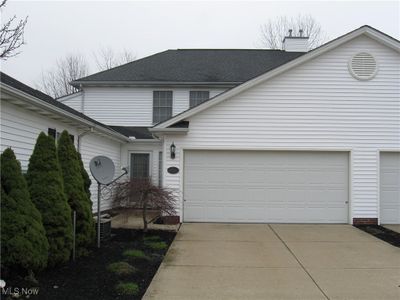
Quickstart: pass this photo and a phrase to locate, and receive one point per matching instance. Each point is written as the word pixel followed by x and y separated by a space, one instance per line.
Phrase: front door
pixel 140 165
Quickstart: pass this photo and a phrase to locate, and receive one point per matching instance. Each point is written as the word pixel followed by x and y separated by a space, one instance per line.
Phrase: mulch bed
pixel 382 233
pixel 88 278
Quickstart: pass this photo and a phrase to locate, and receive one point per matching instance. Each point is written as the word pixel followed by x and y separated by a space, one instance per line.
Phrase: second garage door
pixel 390 187
pixel 266 186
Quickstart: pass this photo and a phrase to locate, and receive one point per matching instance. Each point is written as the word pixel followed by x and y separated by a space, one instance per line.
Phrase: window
pixel 162 106
pixel 52 132
pixel 140 165
pixel 56 134
pixel 197 97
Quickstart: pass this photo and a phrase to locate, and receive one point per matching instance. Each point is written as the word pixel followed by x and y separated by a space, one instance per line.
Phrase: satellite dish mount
pixel 103 171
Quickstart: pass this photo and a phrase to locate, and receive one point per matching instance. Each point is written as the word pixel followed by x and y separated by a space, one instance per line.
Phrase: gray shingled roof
pixel 12 82
pixel 195 66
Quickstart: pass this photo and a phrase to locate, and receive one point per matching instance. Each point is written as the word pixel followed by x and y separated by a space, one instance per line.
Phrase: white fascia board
pixel 49 107
pixel 384 39
pixel 378 36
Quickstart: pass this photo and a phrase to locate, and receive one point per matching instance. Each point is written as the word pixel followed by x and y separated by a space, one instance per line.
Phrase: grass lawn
pixel 121 269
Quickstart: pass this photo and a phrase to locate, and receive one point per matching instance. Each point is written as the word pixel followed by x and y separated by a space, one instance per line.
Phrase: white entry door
pixel 266 186
pixel 390 187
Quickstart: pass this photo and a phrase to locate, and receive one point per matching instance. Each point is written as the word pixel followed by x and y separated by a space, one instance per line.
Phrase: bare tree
pixel 56 82
pixel 106 58
pixel 144 194
pixel 11 35
pixel 274 31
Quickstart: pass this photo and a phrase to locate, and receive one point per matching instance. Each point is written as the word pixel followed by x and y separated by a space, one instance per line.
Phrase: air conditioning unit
pixel 105 227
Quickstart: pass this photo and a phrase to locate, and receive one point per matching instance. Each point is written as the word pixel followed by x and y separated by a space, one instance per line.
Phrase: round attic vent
pixel 363 66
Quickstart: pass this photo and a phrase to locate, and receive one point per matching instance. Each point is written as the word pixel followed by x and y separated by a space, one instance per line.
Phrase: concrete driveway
pixel 261 261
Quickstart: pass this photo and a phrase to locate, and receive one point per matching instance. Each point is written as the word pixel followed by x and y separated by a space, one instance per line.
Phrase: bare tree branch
pixel 55 82
pixel 274 31
pixel 11 35
pixel 106 58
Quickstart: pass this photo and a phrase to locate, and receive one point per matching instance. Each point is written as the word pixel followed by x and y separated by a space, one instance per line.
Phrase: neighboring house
pixel 25 112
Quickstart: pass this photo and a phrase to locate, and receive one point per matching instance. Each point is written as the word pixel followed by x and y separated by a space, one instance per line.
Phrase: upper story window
pixel 197 97
pixel 162 106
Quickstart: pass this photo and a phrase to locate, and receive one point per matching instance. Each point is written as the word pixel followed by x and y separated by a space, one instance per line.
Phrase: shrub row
pixel 36 222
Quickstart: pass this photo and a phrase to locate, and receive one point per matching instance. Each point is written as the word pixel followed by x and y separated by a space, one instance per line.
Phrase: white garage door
pixel 260 186
pixel 390 187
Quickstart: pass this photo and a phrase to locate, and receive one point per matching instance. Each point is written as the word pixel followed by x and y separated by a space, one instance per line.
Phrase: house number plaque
pixel 173 170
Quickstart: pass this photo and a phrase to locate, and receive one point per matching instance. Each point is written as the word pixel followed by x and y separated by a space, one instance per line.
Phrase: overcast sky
pixel 56 28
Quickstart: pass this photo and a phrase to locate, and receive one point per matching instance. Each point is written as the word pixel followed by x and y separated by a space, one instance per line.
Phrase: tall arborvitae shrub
pixel 75 192
pixel 24 245
pixel 47 193
pixel 86 179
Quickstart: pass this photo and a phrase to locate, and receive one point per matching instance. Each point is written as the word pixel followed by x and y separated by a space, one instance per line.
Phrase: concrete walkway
pixel 260 261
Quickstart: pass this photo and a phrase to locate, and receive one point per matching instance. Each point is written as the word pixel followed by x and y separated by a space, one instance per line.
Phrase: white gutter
pixel 154 83
pixel 169 130
pixel 50 107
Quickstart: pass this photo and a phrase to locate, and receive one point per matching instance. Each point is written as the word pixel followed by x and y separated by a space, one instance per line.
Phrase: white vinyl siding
pixel 390 187
pixel 128 106
pixel 73 100
pixel 20 128
pixel 93 145
pixel 315 106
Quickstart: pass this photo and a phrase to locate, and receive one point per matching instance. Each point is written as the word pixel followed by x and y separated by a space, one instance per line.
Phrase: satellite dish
pixel 102 169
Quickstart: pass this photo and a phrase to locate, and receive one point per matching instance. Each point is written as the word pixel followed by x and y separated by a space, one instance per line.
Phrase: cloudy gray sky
pixel 57 28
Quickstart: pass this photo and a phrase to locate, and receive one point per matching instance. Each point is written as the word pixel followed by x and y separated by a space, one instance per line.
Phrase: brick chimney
pixel 292 43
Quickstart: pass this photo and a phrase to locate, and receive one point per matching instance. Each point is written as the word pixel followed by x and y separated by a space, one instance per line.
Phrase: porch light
pixel 172 149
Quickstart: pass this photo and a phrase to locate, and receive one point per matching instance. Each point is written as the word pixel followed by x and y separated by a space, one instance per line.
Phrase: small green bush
pixel 151 238
pixel 127 288
pixel 135 253
pixel 24 245
pixel 121 268
pixel 74 189
pixel 156 245
pixel 47 193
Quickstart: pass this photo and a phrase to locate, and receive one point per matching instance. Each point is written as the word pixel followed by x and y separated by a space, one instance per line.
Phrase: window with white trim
pixel 162 106
pixel 197 97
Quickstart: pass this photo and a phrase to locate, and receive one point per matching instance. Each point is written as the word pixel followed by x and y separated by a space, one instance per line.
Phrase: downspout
pixel 83 99
pixel 90 130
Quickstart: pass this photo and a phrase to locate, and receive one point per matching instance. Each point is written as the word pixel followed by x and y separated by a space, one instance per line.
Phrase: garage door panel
pixel 265 186
pixel 390 188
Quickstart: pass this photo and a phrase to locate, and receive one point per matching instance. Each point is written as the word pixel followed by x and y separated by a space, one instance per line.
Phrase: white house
pixel 291 136
pixel 25 112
